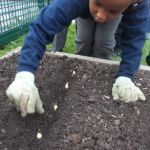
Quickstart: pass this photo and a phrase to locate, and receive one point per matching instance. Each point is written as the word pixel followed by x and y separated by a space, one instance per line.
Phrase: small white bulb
pixel 55 107
pixel 66 86
pixel 39 135
pixel 73 72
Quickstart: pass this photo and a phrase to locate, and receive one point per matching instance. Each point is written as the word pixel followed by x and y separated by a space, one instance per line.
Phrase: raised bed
pixel 86 119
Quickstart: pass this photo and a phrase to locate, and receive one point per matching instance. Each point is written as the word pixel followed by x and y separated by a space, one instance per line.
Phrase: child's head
pixel 105 10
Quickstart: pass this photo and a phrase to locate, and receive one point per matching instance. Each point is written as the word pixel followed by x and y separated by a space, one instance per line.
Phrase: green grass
pixel 146 51
pixel 69 47
pixel 70 43
pixel 11 46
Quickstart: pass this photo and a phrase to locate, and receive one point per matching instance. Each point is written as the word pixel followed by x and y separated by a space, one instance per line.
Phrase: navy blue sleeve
pixel 133 38
pixel 51 20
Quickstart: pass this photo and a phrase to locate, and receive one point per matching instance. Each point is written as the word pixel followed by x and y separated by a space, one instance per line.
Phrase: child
pixel 24 94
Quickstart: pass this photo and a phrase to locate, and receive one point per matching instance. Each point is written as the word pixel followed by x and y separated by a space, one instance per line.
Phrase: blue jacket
pixel 60 13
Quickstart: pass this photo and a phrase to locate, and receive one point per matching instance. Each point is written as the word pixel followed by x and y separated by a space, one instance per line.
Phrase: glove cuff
pixel 123 78
pixel 25 75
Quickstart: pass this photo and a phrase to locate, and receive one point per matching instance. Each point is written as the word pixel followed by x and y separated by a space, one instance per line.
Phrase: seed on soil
pixel 113 116
pixel 39 135
pixel 138 84
pixel 137 110
pixel 106 97
pixel 55 107
pixel 66 86
pixel 73 73
pixel 84 77
pixel 145 88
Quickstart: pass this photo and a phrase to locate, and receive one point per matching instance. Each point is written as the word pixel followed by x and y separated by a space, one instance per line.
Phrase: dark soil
pixel 86 119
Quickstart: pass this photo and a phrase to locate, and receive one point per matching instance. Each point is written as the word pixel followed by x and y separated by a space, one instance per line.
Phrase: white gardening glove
pixel 24 94
pixel 125 90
